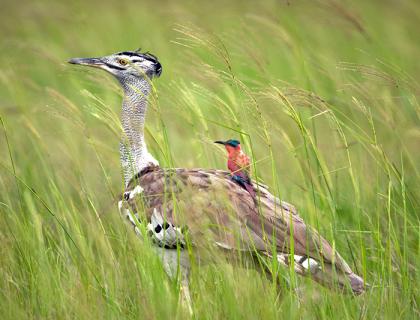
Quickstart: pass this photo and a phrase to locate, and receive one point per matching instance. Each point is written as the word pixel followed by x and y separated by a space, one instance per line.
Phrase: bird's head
pixel 125 65
pixel 231 145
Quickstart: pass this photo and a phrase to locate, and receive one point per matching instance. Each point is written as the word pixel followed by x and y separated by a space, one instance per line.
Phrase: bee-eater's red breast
pixel 238 164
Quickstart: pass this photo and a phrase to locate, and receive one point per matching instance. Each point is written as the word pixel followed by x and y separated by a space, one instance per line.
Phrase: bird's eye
pixel 122 62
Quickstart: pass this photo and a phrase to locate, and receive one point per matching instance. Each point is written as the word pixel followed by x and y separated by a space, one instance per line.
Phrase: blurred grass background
pixel 323 94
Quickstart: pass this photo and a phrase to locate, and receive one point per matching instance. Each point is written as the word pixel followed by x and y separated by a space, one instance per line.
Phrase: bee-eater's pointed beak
pixel 220 142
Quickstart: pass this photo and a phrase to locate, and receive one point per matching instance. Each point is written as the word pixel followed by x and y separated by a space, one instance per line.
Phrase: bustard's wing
pixel 215 210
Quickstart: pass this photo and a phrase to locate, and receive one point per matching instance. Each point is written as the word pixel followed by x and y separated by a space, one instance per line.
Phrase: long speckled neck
pixel 133 151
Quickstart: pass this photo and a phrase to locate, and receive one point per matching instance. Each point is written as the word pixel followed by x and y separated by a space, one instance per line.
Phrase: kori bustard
pixel 203 208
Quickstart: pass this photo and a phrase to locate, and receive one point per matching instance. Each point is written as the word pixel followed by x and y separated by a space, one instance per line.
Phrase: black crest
pixel 137 53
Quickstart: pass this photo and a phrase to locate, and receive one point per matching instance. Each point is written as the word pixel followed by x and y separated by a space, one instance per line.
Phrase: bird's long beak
pixel 91 62
pixel 220 142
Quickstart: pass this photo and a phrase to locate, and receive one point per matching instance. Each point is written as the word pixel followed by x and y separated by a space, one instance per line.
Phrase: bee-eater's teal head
pixel 231 145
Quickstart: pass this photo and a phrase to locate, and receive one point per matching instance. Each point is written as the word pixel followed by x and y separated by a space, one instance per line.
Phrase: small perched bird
pixel 238 164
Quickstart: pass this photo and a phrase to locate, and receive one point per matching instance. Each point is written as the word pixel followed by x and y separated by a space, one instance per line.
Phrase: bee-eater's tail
pixel 250 189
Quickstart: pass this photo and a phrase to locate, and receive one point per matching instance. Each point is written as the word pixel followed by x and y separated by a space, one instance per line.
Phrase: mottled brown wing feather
pixel 217 210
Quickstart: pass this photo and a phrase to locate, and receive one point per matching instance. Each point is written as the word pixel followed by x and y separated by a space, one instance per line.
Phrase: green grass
pixel 323 94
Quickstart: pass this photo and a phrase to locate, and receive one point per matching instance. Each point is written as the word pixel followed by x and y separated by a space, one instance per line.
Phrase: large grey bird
pixel 203 209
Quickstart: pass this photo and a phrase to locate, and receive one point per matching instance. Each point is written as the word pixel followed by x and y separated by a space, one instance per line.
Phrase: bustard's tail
pixel 324 274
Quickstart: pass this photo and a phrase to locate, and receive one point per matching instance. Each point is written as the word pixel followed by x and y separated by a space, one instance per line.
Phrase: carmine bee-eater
pixel 238 164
